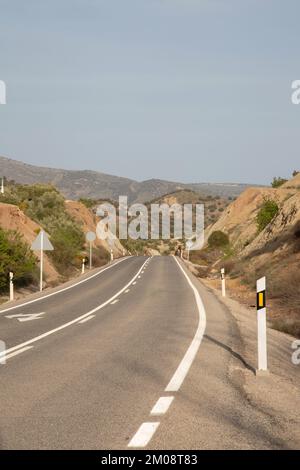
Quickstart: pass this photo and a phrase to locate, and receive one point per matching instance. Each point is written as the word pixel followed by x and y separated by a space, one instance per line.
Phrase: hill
pixel 270 249
pixel 24 210
pixel 96 185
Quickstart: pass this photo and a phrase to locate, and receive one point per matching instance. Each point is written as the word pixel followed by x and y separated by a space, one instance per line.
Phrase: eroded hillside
pixel 271 249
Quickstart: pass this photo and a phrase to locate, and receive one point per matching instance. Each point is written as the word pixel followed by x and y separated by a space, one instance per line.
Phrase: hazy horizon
pixel 65 168
pixel 179 90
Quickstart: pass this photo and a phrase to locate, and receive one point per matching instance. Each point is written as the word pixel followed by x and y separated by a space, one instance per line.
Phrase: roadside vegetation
pixel 17 257
pixel 274 254
pixel 278 181
pixel 266 213
pixel 46 206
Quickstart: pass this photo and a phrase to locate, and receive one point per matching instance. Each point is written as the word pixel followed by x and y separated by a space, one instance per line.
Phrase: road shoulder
pixel 276 394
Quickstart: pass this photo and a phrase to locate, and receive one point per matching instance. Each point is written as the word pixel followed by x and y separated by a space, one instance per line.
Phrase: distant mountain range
pixel 75 184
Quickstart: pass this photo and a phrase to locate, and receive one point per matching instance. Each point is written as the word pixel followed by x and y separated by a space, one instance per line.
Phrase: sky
pixel 184 90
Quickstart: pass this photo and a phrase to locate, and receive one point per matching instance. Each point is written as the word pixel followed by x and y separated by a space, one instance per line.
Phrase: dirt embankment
pixel 12 218
pixel 88 221
pixel 274 252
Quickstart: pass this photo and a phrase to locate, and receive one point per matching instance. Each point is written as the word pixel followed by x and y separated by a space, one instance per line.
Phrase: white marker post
pixel 111 255
pixel 83 266
pixel 223 282
pixel 41 244
pixel 2 186
pixel 261 326
pixel 41 260
pixel 188 246
pixel 90 237
pixel 11 286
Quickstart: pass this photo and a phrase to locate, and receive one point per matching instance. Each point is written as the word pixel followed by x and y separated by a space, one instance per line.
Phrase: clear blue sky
pixel 187 90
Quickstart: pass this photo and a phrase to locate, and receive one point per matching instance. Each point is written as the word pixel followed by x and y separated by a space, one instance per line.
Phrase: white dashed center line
pixel 147 430
pixel 162 405
pixel 143 435
pixel 114 302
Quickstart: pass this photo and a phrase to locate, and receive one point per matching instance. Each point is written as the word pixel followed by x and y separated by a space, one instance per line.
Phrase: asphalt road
pixel 135 356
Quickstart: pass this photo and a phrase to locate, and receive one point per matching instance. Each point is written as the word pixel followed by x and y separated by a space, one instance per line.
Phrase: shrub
pixel 67 239
pixel 218 239
pixel 266 214
pixel 15 256
pixel 278 182
pixel 89 203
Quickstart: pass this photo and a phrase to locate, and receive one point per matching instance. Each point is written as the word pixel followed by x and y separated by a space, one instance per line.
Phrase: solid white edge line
pixel 64 289
pixel 183 368
pixel 143 435
pixel 76 320
pixel 87 319
pixel 19 351
pixel 161 406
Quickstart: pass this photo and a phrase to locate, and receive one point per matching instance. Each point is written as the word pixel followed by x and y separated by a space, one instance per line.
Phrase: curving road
pixel 119 360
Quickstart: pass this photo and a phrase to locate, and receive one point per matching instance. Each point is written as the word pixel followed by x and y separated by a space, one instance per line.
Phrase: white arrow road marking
pixel 26 316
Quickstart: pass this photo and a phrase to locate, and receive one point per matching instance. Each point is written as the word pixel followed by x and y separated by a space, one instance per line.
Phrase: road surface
pixel 136 356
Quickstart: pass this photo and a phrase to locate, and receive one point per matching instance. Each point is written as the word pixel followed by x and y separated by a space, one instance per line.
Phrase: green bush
pixel 218 239
pixel 266 214
pixel 89 203
pixel 46 206
pixel 15 256
pixel 278 182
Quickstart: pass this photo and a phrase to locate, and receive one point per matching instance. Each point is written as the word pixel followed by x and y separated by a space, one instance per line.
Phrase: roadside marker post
pixel 41 244
pixel 90 237
pixel 223 282
pixel 83 266
pixel 111 255
pixel 2 186
pixel 188 246
pixel 261 325
pixel 11 286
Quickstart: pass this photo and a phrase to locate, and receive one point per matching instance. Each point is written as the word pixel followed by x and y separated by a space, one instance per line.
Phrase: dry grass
pixel 287 325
